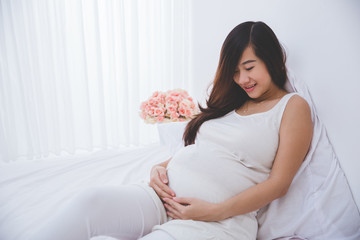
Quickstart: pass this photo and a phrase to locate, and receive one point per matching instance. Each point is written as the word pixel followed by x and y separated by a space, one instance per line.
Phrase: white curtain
pixel 73 72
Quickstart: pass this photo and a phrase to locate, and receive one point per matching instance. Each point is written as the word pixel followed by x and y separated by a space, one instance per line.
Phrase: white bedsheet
pixel 31 192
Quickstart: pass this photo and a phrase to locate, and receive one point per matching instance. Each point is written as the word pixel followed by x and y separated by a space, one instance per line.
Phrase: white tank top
pixel 230 154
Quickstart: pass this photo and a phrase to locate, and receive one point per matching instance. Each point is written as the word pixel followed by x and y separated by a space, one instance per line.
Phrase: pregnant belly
pixel 186 183
pixel 210 174
pixel 197 184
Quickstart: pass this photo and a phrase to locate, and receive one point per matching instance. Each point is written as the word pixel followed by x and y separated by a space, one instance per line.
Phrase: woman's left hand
pixel 193 208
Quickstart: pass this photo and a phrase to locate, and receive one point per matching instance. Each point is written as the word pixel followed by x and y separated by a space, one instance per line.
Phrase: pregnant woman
pixel 241 152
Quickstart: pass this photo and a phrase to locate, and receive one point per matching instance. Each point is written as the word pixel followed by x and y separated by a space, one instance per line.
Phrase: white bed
pixel 319 204
pixel 31 192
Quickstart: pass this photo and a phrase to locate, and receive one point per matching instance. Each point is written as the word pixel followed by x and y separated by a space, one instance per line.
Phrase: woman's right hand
pixel 159 182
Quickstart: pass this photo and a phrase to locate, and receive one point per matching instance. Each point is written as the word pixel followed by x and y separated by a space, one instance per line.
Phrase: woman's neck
pixel 270 95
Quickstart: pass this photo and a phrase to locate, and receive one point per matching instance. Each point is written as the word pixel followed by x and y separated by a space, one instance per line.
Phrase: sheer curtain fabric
pixel 73 73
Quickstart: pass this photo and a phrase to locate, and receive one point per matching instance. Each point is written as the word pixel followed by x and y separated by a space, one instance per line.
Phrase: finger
pixel 174 213
pixel 182 200
pixel 162 173
pixel 164 188
pixel 160 192
pixel 175 205
pixel 163 177
pixel 170 208
pixel 173 216
pixel 162 181
pixel 167 189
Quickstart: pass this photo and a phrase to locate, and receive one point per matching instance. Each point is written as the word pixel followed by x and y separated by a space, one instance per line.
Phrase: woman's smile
pixel 250 87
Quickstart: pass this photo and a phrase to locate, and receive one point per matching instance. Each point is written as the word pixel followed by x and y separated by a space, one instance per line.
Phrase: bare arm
pixel 295 137
pixel 159 180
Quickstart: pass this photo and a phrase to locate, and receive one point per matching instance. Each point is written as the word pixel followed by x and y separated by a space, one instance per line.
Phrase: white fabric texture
pixel 319 203
pixel 123 212
pixel 171 134
pixel 29 192
pixel 156 235
pixel 73 73
pixel 103 238
pixel 224 161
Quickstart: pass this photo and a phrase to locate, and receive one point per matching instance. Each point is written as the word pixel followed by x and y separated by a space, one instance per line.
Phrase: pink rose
pixel 171 109
pixel 174 115
pixel 160 118
pixel 156 102
pixel 170 99
pixel 173 93
pixel 159 111
pixel 155 94
pixel 152 111
pixel 162 100
pixel 143 105
pixel 182 111
pixel 184 104
pixel 151 102
pixel 188 113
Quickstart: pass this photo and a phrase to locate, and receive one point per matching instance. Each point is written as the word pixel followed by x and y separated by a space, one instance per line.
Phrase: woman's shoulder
pixel 297 102
pixel 297 109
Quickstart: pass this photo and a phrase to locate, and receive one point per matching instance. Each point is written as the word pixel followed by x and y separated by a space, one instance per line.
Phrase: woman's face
pixel 252 75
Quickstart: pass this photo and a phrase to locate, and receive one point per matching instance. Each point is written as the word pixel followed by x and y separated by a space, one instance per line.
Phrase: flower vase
pixel 170 135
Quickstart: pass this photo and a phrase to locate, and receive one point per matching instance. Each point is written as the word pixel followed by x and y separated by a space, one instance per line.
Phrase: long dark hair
pixel 226 95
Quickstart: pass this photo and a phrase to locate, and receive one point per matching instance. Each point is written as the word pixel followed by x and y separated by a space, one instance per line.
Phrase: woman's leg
pixel 126 212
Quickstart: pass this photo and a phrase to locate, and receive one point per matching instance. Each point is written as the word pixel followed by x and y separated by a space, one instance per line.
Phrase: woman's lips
pixel 250 88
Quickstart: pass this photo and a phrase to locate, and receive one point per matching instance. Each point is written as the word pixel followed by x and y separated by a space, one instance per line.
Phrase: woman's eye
pixel 248 69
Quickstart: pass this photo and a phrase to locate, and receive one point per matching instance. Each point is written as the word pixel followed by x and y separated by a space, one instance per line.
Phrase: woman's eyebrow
pixel 248 61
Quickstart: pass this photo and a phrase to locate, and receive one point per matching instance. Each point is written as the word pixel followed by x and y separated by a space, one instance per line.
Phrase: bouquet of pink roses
pixel 171 106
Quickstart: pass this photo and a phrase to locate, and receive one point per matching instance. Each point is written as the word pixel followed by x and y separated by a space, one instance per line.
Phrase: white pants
pixel 124 213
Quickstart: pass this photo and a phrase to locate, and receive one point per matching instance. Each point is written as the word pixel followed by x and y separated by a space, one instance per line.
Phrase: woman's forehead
pixel 248 56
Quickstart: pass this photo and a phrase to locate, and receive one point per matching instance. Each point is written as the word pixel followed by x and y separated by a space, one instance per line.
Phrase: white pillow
pixel 170 135
pixel 319 203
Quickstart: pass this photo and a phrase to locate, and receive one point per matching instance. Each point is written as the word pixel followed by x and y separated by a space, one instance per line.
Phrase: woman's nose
pixel 243 79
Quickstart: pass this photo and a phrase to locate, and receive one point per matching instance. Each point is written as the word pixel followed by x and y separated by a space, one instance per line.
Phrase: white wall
pixel 322 39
